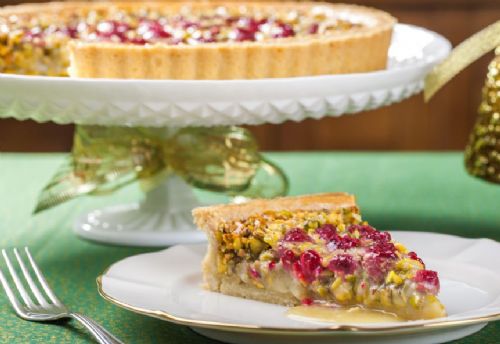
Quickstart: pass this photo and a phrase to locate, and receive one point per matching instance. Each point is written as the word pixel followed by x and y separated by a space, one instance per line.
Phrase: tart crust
pixel 356 50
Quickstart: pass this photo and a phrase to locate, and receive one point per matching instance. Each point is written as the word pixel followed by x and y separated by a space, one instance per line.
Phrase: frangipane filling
pixel 329 256
pixel 32 44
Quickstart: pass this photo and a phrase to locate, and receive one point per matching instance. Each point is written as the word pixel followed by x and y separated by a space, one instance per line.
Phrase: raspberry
pixel 376 267
pixel 327 232
pixel 113 28
pixel 138 41
pixel 310 261
pixel 343 264
pixel 232 20
pixel 379 236
pixel 187 24
pixel 214 30
pixel 296 235
pixel 308 267
pixel 362 229
pixel 368 232
pixel 427 281
pixel 413 255
pixel 249 24
pixel 384 250
pixel 297 271
pixel 35 36
pixel 288 258
pixel 286 30
pixel 70 31
pixel 243 34
pixel 307 301
pixel 346 242
pixel 313 28
pixel 246 28
pixel 379 259
pixel 152 30
pixel 253 272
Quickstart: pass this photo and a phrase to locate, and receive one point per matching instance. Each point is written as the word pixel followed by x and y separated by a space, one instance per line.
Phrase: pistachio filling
pixel 328 257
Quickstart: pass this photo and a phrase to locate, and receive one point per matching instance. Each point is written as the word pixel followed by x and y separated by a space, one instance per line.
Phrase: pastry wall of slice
pixel 313 249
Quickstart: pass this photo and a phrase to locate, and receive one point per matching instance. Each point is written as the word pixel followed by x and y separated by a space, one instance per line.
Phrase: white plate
pixel 180 103
pixel 167 285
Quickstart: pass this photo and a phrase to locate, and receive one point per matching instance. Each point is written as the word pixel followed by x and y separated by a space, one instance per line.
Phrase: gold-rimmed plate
pixel 168 285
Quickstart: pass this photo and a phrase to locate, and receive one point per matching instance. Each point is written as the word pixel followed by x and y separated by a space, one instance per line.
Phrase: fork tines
pixel 28 279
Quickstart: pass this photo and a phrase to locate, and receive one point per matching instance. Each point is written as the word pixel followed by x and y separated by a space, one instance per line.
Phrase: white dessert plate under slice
pixel 168 285
pixel 180 103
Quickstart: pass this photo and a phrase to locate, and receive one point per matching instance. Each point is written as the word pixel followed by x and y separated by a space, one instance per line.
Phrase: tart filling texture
pixel 188 26
pixel 326 257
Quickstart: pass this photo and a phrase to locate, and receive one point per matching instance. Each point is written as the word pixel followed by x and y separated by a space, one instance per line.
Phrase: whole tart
pixel 206 40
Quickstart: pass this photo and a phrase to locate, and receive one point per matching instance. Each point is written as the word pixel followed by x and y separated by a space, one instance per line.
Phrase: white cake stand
pixel 163 218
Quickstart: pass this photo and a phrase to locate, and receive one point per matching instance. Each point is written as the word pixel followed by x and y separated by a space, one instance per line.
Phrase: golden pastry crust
pixel 207 218
pixel 361 49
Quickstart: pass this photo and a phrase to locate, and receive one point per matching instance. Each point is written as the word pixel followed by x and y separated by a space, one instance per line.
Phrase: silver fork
pixel 44 310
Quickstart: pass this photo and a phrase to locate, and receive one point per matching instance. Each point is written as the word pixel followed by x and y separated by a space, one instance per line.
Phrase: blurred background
pixel 443 124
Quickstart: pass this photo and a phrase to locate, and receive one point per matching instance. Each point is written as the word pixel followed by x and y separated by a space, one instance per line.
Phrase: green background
pixel 405 191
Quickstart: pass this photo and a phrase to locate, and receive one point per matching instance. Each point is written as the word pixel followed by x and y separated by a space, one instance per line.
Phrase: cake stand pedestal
pixel 163 218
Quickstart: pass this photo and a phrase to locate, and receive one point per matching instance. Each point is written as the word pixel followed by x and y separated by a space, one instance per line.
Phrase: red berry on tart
pixel 198 40
pixel 313 249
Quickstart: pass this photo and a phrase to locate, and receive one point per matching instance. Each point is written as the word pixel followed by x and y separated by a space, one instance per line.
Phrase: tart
pixel 199 40
pixel 313 250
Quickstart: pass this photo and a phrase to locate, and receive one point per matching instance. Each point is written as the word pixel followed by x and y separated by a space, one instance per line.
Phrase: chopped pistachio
pixel 311 225
pixel 333 218
pixel 414 301
pixel 407 264
pixel 343 292
pixel 322 291
pixel 350 278
pixel 237 244
pixel 272 238
pixel 401 248
pixel 221 265
pixel 393 277
pixel 218 236
pixel 256 246
pixel 385 298
pixel 336 283
pixel 266 256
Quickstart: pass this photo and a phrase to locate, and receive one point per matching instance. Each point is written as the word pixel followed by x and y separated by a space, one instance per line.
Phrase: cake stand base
pixel 162 219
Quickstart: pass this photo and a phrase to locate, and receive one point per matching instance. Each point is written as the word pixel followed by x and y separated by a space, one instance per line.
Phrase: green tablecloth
pixel 407 191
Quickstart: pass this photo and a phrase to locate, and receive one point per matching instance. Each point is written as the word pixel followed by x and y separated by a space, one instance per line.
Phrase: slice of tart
pixel 198 40
pixel 313 249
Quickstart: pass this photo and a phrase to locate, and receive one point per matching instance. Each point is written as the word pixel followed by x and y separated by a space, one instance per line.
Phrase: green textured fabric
pixel 406 191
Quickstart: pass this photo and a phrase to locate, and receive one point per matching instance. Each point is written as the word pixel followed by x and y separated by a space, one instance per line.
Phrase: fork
pixel 45 310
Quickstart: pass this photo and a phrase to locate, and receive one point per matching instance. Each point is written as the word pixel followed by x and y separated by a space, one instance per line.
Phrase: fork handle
pixel 102 335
